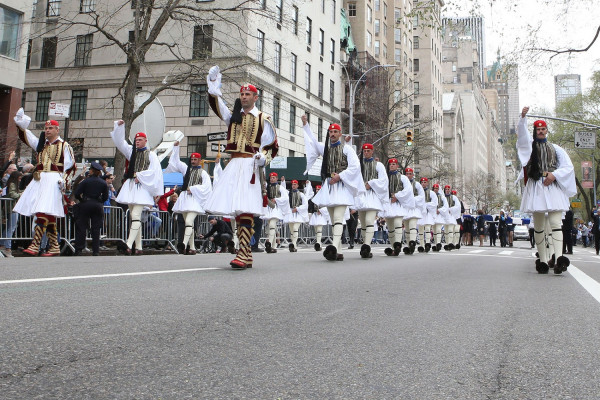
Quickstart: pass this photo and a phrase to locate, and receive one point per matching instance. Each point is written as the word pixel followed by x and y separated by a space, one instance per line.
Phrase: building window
pixel 369 40
pixel 415 42
pixel 292 119
pixel 28 61
pixel 332 52
pixel 259 101
pixel 197 144
pixel 87 6
pixel 352 9
pixel 416 86
pixel 308 31
pixel 198 101
pixel 294 62
pixel 48 52
pixel 397 35
pixel 41 108
pixel 9 33
pixel 263 4
pixel 384 29
pixel 416 65
pixel 307 77
pixel 83 50
pixel 202 46
pixel 416 111
pixel 260 47
pixel 321 42
pixel 377 48
pixel 398 75
pixel 369 14
pixel 331 91
pixel 78 105
pixel 333 11
pixel 377 27
pixel 385 51
pixel 278 58
pixel 276 107
pixel 295 19
pixel 377 5
pixel 53 9
pixel 323 6
pixel 320 129
pixel 321 85
pixel 292 153
pixel 34 8
pixel 279 10
pixel 397 55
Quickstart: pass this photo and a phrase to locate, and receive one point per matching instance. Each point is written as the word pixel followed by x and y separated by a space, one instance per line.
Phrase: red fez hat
pixel 335 126
pixel 51 122
pixel 436 185
pixel 318 186
pixel 393 160
pixel 294 181
pixel 249 87
pixel 367 146
pixel 447 187
pixel 423 179
pixel 540 123
pixel 195 155
pixel 273 174
pixel 409 169
pixel 140 134
pixel 453 192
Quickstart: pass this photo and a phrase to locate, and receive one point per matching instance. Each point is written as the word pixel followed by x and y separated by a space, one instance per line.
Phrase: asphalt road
pixel 478 323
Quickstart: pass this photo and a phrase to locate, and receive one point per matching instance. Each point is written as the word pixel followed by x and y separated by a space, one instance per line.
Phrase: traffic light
pixel 409 138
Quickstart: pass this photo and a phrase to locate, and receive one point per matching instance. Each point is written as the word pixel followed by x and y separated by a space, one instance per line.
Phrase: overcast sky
pixel 511 24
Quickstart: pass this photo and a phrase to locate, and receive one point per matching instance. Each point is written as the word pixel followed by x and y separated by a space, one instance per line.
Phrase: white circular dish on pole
pixel 152 121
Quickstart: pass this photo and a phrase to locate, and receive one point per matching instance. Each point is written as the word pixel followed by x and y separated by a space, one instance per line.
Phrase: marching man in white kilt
pixel 412 211
pixel 400 191
pixel 43 197
pixel 272 213
pixel 428 211
pixel 319 217
pixel 342 180
pixel 440 217
pixel 143 181
pixel 450 227
pixel 194 193
pixel 369 203
pixel 295 212
pixel 549 180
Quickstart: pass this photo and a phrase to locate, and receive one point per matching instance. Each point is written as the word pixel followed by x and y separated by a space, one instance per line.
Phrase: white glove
pixel 22 120
pixel 213 81
pixel 261 158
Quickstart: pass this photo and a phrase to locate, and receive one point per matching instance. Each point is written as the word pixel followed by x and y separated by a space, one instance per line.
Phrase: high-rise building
pixel 290 53
pixel 467 28
pixel 13 61
pixel 566 86
pixel 504 79
pixel 428 89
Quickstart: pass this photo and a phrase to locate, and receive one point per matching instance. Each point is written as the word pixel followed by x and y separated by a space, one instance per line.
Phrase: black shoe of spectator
pixel 180 248
pixel 256 249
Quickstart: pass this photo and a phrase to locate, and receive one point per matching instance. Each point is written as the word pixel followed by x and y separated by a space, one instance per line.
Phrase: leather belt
pixel 241 155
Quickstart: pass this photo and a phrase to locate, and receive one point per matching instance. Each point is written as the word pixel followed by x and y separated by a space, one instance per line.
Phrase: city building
pixel 565 86
pixel 15 15
pixel 428 89
pixel 472 28
pixel 289 50
pixel 504 80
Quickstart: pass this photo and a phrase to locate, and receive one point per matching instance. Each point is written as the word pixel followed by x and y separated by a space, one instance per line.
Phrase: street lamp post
pixel 352 86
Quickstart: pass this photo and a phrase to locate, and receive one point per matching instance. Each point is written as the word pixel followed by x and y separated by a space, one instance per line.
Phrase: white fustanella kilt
pixel 43 196
pixel 271 213
pixel 427 219
pixel 540 198
pixel 333 195
pixel 393 210
pixel 368 201
pixel 234 194
pixel 187 202
pixel 319 219
pixel 134 193
pixel 412 213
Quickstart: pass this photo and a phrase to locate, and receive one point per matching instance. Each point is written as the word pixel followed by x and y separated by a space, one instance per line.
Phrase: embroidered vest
pixel 440 200
pixel 427 195
pixel 395 184
pixel 295 199
pixel 369 171
pixel 337 160
pixel 546 157
pixel 51 158
pixel 450 199
pixel 192 177
pixel 273 191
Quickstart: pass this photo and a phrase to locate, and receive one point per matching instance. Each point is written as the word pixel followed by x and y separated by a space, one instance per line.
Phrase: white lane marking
pixel 66 278
pixel 589 284
pixel 505 253
pixel 476 251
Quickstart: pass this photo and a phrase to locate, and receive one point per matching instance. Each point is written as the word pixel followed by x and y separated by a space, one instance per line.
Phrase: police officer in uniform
pixel 92 192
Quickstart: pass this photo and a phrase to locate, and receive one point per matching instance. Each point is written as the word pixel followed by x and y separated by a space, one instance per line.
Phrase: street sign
pixel 576 203
pixel 215 137
pixel 58 110
pixel 215 147
pixel 585 139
